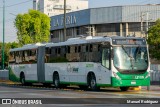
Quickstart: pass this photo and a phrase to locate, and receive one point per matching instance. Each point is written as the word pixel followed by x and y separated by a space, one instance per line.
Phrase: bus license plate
pixel 133 82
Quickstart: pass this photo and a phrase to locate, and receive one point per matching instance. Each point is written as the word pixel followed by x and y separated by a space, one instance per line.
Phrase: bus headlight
pixel 116 76
pixel 148 75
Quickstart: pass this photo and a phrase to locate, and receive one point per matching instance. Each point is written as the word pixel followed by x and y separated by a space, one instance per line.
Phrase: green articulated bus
pixel 89 62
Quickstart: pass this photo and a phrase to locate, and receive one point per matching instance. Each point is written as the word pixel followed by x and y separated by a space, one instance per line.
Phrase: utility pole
pixel 64 20
pixel 147 25
pixel 141 24
pixel 3 34
pixel 147 15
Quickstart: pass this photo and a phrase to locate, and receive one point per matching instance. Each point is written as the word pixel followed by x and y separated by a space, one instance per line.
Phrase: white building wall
pixel 56 7
pixel 35 2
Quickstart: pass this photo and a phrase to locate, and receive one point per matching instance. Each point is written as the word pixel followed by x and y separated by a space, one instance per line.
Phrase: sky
pixel 14 7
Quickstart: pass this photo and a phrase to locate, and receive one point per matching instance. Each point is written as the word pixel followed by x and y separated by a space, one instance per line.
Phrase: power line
pixel 146 2
pixel 17 4
pixel 8 20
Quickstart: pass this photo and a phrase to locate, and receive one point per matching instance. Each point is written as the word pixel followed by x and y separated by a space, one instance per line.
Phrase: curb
pixel 135 88
pixel 7 82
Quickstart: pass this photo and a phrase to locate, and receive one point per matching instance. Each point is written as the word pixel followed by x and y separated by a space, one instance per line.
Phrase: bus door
pixel 40 64
pixel 106 63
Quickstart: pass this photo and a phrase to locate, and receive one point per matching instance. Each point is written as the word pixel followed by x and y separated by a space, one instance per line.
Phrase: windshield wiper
pixel 131 58
pixel 138 49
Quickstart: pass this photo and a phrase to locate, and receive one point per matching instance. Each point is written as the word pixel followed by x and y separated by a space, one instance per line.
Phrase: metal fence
pixel 4 75
pixel 155 73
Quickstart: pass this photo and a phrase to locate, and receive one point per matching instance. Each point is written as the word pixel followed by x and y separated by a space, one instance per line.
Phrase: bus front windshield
pixel 130 59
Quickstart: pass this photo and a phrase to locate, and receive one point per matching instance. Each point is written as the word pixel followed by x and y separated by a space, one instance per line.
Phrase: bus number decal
pixel 72 69
pixel 21 67
pixel 139 77
pixel 89 65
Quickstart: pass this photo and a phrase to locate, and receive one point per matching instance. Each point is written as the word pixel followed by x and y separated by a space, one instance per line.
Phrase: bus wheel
pixel 56 81
pixel 92 83
pixel 124 88
pixel 46 84
pixel 63 85
pixel 22 79
pixel 83 87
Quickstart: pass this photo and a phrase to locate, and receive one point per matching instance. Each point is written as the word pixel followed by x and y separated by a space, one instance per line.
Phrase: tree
pixel 32 27
pixel 154 40
pixel 8 46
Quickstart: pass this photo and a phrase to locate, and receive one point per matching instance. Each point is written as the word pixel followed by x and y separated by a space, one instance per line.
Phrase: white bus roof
pixel 72 41
pixel 80 40
pixel 28 46
pixel 89 39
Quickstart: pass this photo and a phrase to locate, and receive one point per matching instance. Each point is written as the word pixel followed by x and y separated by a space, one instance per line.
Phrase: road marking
pixel 8 91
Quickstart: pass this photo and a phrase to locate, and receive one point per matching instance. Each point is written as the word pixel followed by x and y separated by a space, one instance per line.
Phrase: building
pixel 106 21
pixel 56 7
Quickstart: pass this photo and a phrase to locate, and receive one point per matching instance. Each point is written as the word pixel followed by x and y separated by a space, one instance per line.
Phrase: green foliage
pixel 32 27
pixel 154 40
pixel 8 46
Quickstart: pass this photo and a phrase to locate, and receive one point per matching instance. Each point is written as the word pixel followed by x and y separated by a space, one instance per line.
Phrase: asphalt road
pixel 73 96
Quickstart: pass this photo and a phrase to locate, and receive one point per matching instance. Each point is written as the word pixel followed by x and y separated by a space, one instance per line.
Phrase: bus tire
pixel 63 85
pixel 92 83
pixel 22 79
pixel 56 80
pixel 124 88
pixel 46 84
pixel 83 87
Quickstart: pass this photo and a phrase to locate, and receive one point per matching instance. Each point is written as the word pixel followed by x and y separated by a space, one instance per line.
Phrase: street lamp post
pixel 3 34
pixel 64 20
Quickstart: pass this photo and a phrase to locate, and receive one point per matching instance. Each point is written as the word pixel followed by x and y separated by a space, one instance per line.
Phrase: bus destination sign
pixel 129 42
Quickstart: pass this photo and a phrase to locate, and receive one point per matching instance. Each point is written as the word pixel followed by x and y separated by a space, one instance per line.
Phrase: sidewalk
pixel 152 88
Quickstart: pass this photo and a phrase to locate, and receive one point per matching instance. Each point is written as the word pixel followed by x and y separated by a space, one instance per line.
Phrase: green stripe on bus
pixel 73 83
pixel 12 76
pixel 48 81
pixel 132 76
pixel 104 85
pixel 31 81
pixel 130 82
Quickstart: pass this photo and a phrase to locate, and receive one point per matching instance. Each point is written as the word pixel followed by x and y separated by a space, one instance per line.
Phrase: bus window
pixel 83 48
pixel 72 49
pixel 95 48
pixel 86 47
pixel 32 58
pixel 76 49
pixel 59 50
pixel 79 49
pixel 23 56
pixel 68 49
pixel 33 52
pixel 28 53
pixel 105 57
pixel 99 47
pixel 91 48
pixel 48 50
pixel 63 50
pixel 26 56
pixel 11 57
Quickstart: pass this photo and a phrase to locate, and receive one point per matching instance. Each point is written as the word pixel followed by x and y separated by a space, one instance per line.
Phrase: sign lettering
pixel 69 20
